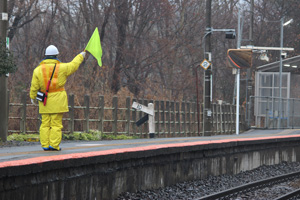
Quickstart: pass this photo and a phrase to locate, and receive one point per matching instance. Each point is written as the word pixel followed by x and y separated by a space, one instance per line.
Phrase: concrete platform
pixel 74 147
pixel 105 169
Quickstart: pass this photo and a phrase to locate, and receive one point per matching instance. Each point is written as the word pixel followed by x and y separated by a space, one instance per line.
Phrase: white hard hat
pixel 51 51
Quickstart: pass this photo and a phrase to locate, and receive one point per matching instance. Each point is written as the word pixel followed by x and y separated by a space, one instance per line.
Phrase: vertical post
pixel 237 121
pixel 188 108
pixel 178 120
pixel 221 118
pixel 8 95
pixel 3 80
pixel 151 121
pixel 267 114
pixel 71 113
pixel 134 119
pixel 249 110
pixel 168 118
pixel 163 111
pixel 231 118
pixel 293 110
pixel 249 71
pixel 23 119
pixel 173 118
pixel 86 113
pixel 115 115
pixel 157 117
pixel 183 114
pixel 198 104
pixel 128 109
pixel 207 76
pixel 101 113
pixel 280 74
pixel 287 113
pixel 217 116
pixel 140 115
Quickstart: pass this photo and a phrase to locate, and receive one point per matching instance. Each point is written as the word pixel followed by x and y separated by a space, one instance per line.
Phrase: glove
pixel 83 54
pixel 32 101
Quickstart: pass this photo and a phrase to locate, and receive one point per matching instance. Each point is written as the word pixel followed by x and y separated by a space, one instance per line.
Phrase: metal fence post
pixel 128 109
pixel 173 119
pixel 232 122
pixel 157 124
pixel 101 113
pixel 267 114
pixel 249 114
pixel 168 118
pixel 293 112
pixel 23 118
pixel 115 115
pixel 163 124
pixel 183 114
pixel 188 118
pixel 71 113
pixel 86 113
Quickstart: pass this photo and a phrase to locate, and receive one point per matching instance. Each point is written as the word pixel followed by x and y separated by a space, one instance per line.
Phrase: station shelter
pixel 267 107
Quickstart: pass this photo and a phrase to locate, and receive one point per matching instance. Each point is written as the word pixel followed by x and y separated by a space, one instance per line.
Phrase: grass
pixel 93 135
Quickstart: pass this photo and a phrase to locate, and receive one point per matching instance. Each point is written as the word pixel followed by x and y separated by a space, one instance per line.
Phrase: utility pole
pixel 249 71
pixel 207 77
pixel 3 78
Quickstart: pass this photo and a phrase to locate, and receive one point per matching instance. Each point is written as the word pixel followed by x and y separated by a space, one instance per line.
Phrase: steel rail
pixel 250 187
pixel 291 195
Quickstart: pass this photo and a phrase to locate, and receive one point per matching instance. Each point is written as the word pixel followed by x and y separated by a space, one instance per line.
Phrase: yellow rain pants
pixel 50 130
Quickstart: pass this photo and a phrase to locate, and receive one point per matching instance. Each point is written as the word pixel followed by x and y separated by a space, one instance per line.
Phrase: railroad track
pixel 290 195
pixel 226 194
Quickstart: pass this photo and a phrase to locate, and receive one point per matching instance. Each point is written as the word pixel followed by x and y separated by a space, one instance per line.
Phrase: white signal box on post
pixel 149 116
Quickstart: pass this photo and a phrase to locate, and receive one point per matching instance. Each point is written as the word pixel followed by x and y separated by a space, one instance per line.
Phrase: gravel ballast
pixel 199 188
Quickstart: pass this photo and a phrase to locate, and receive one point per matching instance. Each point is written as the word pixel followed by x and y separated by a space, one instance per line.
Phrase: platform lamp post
pixel 282 24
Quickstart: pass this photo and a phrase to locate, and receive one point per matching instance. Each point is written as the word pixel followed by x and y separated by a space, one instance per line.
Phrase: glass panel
pixel 276 80
pixel 266 80
pixel 262 108
pixel 284 92
pixel 276 92
pixel 265 92
pixel 284 80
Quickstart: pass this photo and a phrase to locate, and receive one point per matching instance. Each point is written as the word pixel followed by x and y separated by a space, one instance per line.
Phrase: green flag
pixel 94 46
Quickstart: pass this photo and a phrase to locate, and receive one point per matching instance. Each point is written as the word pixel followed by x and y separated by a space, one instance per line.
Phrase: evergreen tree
pixel 7 63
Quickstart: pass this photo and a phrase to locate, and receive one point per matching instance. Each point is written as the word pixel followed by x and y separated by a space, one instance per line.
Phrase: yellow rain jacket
pixel 57 101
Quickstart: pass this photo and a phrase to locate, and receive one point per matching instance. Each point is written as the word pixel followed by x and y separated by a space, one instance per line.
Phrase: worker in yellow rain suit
pixel 57 101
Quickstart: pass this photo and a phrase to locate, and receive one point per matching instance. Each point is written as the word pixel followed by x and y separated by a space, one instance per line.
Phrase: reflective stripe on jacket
pixel 57 101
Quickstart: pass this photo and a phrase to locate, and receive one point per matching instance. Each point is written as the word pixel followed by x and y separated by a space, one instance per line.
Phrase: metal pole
pixel 280 74
pixel 249 71
pixel 207 76
pixel 3 79
pixel 198 106
pixel 237 123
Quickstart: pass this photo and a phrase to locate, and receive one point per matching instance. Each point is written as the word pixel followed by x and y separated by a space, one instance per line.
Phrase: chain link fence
pixel 273 113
